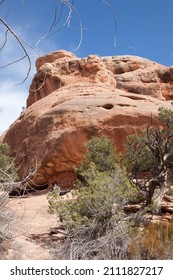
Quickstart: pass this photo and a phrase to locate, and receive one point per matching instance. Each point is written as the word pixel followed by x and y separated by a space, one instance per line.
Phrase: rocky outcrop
pixel 142 76
pixel 72 99
pixel 62 68
pixel 128 73
pixel 50 137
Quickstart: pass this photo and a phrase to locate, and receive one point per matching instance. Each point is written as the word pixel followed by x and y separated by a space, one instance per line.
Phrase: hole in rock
pixel 125 105
pixel 87 94
pixel 22 191
pixel 108 106
pixel 134 97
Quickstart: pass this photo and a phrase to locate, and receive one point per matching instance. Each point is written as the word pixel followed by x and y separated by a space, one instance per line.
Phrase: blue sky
pixel 143 28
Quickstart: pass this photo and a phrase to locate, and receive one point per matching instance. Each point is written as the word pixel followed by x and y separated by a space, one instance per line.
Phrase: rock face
pixel 128 73
pixel 142 76
pixel 72 99
pixel 62 68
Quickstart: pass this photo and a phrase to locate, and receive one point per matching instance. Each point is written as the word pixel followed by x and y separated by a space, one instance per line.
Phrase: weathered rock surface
pixel 29 216
pixel 142 76
pixel 128 73
pixel 73 99
pixel 62 68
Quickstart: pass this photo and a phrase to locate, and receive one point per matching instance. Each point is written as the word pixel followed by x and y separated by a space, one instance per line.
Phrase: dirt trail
pixel 30 217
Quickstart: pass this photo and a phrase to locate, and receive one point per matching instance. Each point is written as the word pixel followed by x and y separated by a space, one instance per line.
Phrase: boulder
pixel 73 99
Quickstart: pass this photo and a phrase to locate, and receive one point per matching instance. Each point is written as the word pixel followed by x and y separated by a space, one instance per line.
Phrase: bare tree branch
pixel 72 8
pixel 21 45
pixel 5 40
pixel 59 7
pixel 67 22
pixel 114 18
pixel 2 1
pixel 15 61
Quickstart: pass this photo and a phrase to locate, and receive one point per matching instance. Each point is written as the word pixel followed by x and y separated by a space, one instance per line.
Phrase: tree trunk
pixel 158 187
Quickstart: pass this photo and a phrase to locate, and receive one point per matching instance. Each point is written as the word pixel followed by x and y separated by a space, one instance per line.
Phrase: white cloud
pixel 12 96
pixel 12 99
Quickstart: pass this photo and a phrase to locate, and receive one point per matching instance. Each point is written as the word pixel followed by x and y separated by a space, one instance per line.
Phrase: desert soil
pixel 29 222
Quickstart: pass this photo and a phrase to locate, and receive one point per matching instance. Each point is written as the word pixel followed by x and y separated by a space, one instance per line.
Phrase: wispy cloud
pixel 12 99
pixel 13 96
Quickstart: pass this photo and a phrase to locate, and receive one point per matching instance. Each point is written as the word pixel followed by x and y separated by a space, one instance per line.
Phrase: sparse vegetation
pixel 94 217
pixel 148 155
pixel 8 173
pixel 154 242
pixel 98 227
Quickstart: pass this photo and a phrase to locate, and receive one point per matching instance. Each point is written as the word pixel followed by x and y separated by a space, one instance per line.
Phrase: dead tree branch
pixel 21 44
pixel 60 7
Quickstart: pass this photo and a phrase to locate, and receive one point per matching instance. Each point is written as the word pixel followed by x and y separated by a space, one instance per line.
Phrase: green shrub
pixel 148 156
pixel 102 152
pixel 101 191
pixel 138 157
pixel 95 210
pixel 8 171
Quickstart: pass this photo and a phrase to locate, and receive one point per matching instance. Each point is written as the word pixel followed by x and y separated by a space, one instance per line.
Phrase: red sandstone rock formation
pixel 142 76
pixel 62 68
pixel 128 73
pixel 72 99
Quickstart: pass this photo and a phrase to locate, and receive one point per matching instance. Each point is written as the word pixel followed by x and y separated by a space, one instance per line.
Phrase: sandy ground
pixel 29 216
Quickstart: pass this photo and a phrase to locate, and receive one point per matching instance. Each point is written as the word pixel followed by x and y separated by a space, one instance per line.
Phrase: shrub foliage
pixel 8 173
pixel 96 208
pixel 96 216
pixel 150 153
